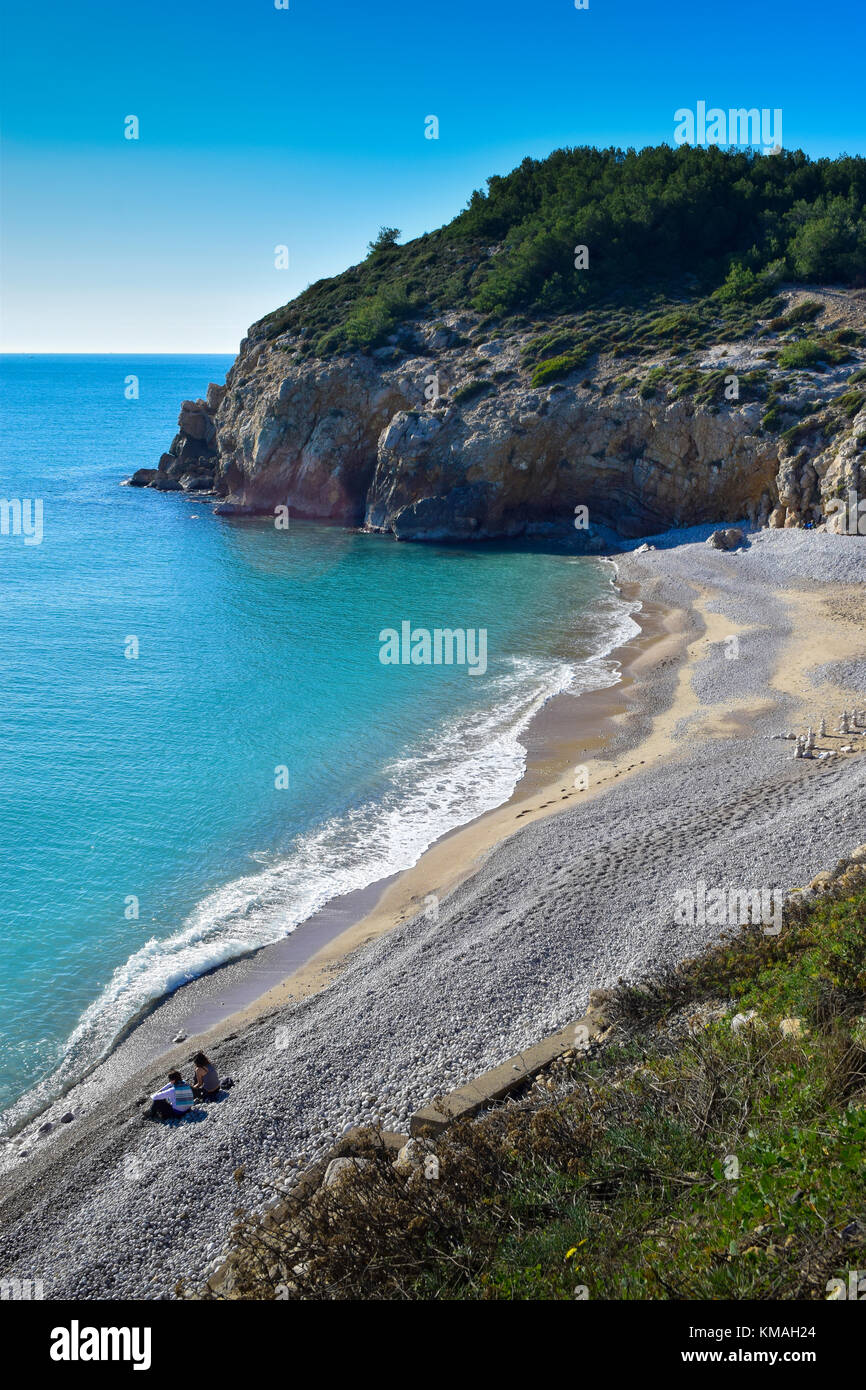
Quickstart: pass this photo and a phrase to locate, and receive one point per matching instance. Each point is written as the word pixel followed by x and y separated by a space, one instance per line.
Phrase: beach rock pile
pixel 852 725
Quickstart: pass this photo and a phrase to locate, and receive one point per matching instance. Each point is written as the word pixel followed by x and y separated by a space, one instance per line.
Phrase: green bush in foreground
pixel 691 1161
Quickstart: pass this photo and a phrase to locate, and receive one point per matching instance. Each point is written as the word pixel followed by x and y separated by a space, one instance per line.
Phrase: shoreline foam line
pixel 578 901
pixel 464 772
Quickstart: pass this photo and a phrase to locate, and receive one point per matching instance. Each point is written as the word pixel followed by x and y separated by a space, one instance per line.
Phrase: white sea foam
pixel 469 767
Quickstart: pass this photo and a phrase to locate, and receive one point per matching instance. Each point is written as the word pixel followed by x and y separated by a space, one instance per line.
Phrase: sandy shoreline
pixel 555 893
pixel 227 997
pixel 601 732
pixel 570 729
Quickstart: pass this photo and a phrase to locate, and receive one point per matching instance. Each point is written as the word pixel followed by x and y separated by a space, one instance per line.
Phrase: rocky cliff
pixel 456 429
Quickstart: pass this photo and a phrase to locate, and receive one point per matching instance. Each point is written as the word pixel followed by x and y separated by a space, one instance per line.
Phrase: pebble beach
pixel 575 888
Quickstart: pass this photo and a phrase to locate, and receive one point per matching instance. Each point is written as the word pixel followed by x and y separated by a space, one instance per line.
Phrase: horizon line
pixel 119 352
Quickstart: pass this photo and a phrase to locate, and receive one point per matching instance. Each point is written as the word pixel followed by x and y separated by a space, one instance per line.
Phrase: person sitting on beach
pixel 173 1100
pixel 206 1082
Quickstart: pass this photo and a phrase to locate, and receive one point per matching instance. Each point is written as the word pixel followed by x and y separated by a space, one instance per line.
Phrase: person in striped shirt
pixel 173 1100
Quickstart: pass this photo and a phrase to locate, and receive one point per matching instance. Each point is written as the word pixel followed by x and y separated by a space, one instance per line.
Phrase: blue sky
pixel 305 127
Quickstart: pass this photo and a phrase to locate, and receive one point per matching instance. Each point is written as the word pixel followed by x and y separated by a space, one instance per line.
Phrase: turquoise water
pixel 152 782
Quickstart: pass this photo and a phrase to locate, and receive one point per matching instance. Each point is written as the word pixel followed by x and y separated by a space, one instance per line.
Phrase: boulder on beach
pixel 144 477
pixel 728 539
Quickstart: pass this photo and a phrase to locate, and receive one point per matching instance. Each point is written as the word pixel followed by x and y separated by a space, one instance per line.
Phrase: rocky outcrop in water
pixel 192 459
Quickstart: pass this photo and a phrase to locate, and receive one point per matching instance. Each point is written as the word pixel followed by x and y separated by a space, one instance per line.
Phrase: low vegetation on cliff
pixel 712 1150
pixel 684 223
pixel 475 383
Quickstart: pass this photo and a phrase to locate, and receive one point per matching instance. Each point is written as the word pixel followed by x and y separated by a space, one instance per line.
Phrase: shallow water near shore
pixel 154 784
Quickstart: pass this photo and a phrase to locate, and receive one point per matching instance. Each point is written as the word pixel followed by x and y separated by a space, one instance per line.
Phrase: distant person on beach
pixel 206 1082
pixel 173 1100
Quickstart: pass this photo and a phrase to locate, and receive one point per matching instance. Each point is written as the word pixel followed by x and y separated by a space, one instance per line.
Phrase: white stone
pixel 339 1169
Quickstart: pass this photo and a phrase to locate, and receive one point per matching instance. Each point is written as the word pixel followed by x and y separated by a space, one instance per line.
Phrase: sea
pixel 200 744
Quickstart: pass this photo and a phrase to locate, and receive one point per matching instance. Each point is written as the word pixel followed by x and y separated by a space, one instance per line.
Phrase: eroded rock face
pixel 814 487
pixel 435 438
pixel 144 477
pixel 528 458
pixel 305 436
pixel 357 441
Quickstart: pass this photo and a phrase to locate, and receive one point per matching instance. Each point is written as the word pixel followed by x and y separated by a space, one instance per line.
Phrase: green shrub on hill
pixel 471 391
pixel 653 379
pixel 386 238
pixel 372 320
pixel 688 222
pixel 554 368
pixel 801 313
pixel 852 403
pixel 811 352
pixel 551 345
